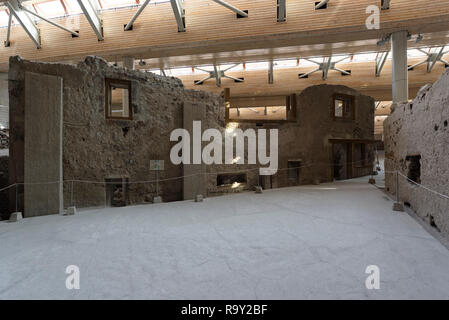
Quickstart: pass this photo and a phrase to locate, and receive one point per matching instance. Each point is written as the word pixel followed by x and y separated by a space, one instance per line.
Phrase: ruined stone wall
pixel 308 138
pixel 96 148
pixel 420 128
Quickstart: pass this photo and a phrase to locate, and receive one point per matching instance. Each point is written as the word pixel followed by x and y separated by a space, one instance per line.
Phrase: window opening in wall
pixel 118 99
pixel 414 168
pixel 343 107
pixel 231 179
pixel 267 113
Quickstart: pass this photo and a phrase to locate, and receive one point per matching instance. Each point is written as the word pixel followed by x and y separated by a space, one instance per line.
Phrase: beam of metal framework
pixel 217 74
pixel 50 22
pixel 325 66
pixel 90 10
pixel 163 72
pixel 281 11
pixel 231 7
pixel 270 72
pixel 25 21
pixel 136 15
pixel 380 62
pixel 435 55
pixel 179 12
pixel 8 32
pixel 321 4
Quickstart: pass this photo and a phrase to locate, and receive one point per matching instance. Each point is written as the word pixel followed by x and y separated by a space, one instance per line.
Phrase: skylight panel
pixel 73 6
pixel 290 63
pixel 50 9
pixel 110 4
pixel 4 18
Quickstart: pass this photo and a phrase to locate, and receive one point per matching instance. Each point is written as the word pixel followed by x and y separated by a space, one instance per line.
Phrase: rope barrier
pixel 172 178
pixel 424 187
pixel 215 173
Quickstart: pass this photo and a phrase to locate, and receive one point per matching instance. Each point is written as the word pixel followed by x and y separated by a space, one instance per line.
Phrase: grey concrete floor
pixel 308 242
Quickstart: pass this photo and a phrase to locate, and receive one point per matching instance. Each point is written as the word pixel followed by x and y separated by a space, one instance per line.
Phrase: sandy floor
pixel 294 243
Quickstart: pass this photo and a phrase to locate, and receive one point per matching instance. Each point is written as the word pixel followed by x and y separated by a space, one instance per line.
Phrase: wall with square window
pixel 118 99
pixel 417 145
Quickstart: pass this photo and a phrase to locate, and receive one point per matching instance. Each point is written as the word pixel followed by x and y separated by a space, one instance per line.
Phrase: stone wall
pixel 95 148
pixel 307 139
pixel 420 129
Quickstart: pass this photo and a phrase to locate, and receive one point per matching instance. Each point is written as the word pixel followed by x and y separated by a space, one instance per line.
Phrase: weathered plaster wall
pixel 421 127
pixel 308 137
pixel 95 148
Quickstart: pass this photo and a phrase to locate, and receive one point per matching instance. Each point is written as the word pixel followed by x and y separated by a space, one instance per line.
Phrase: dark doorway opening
pixel 342 155
pixel 293 171
pixel 116 192
pixel 414 168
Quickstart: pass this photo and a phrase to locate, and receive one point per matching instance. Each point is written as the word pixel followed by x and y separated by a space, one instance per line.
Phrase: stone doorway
pixel 116 192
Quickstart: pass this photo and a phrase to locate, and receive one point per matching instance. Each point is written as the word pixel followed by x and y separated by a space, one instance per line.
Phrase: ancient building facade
pixel 99 144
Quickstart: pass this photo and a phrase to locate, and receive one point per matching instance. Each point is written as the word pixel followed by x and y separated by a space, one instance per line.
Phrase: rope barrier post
pixel 71 193
pixel 16 216
pixel 199 196
pixel 17 198
pixel 157 198
pixel 371 179
pixel 259 188
pixel 157 183
pixel 72 209
pixel 397 206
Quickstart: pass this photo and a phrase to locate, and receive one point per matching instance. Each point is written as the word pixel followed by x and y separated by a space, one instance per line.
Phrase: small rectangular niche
pixel 231 179
pixel 116 192
pixel 118 99
pixel 414 168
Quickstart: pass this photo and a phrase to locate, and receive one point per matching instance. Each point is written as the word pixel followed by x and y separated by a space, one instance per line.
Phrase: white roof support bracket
pixel 380 62
pixel 91 11
pixel 271 72
pixel 136 15
pixel 74 34
pixel 239 12
pixel 8 32
pixel 25 21
pixel 179 12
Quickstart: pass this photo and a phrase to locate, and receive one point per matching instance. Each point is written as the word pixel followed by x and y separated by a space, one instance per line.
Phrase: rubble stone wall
pixel 306 139
pixel 421 128
pixel 96 148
